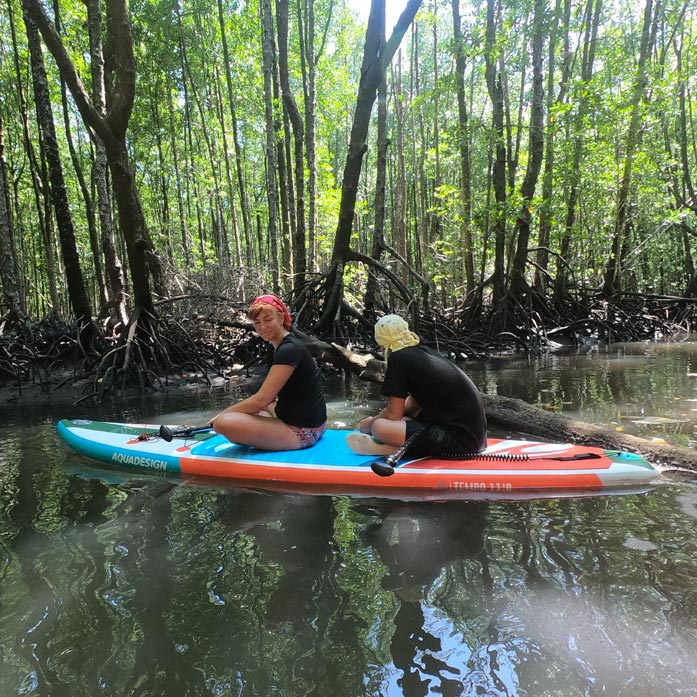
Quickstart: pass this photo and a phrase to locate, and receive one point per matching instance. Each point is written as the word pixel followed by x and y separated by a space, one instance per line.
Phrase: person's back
pixel 433 408
pixel 446 395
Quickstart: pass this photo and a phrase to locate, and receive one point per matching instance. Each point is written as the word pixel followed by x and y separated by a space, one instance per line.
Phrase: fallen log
pixel 516 415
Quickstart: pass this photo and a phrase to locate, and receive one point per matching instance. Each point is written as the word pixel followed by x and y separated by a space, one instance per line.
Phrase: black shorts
pixel 432 440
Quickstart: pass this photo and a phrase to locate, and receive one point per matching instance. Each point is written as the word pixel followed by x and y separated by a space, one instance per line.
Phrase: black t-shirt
pixel 301 399
pixel 444 392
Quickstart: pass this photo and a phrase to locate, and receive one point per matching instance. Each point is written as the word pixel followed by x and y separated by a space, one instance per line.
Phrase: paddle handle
pixel 167 434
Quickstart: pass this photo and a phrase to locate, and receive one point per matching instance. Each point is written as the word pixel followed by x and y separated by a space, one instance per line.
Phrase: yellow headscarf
pixel 392 333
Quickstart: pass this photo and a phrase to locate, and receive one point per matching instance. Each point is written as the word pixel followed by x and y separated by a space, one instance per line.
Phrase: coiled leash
pixel 386 466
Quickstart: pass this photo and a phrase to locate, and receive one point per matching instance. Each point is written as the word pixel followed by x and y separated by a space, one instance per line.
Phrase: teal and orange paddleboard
pixel 507 467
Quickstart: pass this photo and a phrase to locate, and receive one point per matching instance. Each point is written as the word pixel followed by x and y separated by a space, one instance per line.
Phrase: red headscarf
pixel 277 304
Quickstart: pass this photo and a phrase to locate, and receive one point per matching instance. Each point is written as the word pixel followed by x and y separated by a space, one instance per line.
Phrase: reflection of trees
pixel 147 587
pixel 416 543
pixel 278 597
pixel 54 569
pixel 149 567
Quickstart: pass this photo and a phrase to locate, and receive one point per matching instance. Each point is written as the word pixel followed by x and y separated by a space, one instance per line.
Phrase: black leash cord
pixel 386 468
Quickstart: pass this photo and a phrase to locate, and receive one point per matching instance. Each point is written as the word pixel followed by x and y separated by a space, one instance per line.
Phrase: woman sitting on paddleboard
pixel 426 394
pixel 291 394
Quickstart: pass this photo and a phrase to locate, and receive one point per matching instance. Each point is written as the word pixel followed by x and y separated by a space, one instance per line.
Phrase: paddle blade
pixel 381 468
pixel 166 433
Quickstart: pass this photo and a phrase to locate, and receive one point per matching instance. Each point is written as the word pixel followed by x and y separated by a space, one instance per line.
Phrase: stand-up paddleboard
pixel 506 467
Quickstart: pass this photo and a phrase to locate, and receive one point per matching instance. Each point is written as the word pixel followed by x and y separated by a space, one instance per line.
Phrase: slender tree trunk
pixel 691 283
pixel 495 88
pixel 435 221
pixel 613 271
pixel 39 183
pixel 112 131
pixel 184 236
pixel 164 219
pixel 285 181
pixel 309 60
pixel 271 188
pixel 86 194
pixel 592 23
pixel 545 228
pixel 222 244
pixel 59 195
pixel 237 243
pixel 100 171
pixel 371 293
pixel 464 148
pixel 299 256
pixel 399 225
pixel 519 285
pixel 418 151
pixel 11 290
pixel 241 185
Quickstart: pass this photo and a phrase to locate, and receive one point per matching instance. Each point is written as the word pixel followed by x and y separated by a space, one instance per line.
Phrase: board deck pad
pixel 507 466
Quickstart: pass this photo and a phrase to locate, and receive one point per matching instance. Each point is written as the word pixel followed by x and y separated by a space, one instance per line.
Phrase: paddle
pixel 167 434
pixel 386 467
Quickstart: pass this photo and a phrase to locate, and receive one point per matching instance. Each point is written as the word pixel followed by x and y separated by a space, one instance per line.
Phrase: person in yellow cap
pixel 426 394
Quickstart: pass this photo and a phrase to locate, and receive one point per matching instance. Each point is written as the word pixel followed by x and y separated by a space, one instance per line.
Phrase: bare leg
pixel 389 431
pixel 263 432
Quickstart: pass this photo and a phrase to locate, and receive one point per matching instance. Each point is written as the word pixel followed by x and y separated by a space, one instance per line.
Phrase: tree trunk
pixel 271 188
pixel 299 255
pixel 495 88
pixel 374 61
pixel 378 242
pixel 613 271
pixel 39 185
pixel 519 285
pixel 232 204
pixel 86 194
pixel 464 148
pixel 59 195
pixel 111 129
pixel 541 281
pixel 435 220
pixel 100 171
pixel 285 178
pixel 244 203
pixel 221 239
pixel 185 240
pixel 9 276
pixel 308 60
pixel 400 214
pixel 593 10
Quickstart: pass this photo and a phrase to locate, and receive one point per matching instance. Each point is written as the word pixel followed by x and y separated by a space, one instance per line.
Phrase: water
pixel 121 583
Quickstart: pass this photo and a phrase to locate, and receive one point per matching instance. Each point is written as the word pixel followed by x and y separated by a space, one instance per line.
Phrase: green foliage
pixel 181 137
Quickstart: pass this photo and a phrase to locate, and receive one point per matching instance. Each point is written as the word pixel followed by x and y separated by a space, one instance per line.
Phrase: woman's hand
pixel 366 425
pixel 265 398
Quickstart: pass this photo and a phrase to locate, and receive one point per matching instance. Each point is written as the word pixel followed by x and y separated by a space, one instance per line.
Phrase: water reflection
pixel 645 389
pixel 416 543
pixel 293 534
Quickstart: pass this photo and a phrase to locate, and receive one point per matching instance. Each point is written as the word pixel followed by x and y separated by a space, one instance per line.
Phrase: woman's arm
pixel 277 377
